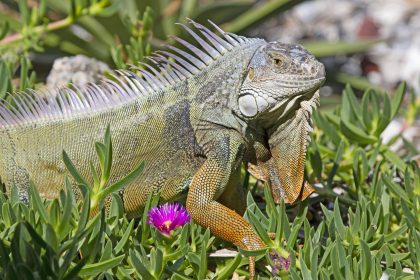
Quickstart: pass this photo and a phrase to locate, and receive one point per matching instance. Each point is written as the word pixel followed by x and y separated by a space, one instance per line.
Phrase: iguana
pixel 193 115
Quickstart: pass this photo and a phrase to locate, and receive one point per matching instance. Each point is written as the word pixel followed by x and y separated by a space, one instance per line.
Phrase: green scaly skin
pixel 250 105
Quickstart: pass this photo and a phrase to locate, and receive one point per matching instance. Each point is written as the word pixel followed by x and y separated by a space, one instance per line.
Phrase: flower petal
pixel 167 217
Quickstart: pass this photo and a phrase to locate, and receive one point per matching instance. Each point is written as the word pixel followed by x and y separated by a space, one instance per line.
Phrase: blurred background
pixel 364 43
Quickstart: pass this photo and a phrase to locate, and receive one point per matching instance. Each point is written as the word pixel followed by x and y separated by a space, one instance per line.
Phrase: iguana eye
pixel 278 62
pixel 251 73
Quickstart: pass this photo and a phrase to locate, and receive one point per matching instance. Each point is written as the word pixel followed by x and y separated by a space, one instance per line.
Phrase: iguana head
pixel 277 97
pixel 279 75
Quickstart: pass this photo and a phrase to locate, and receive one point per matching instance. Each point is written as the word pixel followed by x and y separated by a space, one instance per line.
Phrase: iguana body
pixel 193 121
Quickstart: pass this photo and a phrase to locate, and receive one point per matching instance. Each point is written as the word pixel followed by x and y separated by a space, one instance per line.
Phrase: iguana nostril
pixel 313 69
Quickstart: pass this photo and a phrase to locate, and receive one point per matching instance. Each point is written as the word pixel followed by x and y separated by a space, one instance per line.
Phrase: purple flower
pixel 168 217
pixel 285 263
pixel 279 263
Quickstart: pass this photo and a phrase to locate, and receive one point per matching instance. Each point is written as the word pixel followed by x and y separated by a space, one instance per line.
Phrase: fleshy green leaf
pixel 73 171
pixel 229 268
pixel 397 99
pixel 385 116
pixel 253 253
pixel 339 225
pixel 123 182
pixel 355 133
pixel 96 268
pixel 124 238
pixel 36 202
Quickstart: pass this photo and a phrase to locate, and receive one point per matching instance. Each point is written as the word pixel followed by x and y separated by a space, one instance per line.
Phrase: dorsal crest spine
pixel 164 70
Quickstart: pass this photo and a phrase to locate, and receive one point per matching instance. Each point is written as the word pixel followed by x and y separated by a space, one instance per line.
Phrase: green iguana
pixel 193 115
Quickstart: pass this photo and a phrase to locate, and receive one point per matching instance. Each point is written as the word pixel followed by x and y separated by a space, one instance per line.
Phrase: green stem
pixel 193 245
pixel 37 30
pixel 94 202
pixel 69 20
pixel 166 248
pixel 282 252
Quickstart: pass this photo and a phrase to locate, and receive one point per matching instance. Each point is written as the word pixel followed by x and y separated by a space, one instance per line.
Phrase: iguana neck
pixel 215 91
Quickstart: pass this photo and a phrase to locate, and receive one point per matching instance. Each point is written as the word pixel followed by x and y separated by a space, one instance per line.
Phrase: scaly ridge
pixel 165 69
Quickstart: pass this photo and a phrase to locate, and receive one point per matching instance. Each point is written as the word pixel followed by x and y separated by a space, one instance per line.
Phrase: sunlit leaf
pixel 96 268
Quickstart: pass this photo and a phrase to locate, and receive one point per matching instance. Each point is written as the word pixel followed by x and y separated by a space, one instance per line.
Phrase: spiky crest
pixel 164 70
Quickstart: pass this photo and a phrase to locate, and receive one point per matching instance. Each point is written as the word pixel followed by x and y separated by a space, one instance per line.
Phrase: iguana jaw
pixel 282 108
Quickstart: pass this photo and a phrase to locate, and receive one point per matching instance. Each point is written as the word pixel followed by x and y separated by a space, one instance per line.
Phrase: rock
pixel 77 69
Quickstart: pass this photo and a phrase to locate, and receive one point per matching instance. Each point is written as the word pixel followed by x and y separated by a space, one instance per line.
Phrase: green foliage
pixel 138 46
pixel 356 127
pixel 31 33
pixel 382 224
pixel 364 221
pixel 371 229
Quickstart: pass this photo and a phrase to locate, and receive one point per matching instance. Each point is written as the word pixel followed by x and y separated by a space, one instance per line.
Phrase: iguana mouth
pixel 308 94
pixel 282 110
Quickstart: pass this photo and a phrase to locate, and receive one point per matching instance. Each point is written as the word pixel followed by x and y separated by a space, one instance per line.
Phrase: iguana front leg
pixel 208 183
pixel 233 195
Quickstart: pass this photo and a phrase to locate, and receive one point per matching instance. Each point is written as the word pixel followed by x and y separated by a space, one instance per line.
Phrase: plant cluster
pixel 362 223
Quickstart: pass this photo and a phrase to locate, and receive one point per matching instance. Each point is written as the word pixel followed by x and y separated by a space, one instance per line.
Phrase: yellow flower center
pixel 167 223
